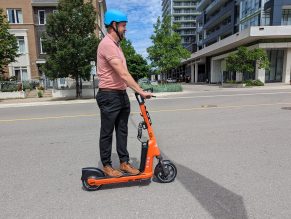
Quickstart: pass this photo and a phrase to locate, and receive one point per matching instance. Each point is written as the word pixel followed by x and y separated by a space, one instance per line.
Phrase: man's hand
pixel 146 95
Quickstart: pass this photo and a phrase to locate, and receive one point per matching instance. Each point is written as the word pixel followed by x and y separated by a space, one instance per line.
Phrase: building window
pixel 21 73
pixel 21 44
pixel 62 81
pixel 266 18
pixel 286 17
pixel 41 17
pixel 254 21
pixel 275 71
pixel 249 7
pixel 14 16
pixel 41 46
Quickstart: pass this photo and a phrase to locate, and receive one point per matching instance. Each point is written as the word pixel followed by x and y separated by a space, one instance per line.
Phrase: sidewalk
pixel 187 89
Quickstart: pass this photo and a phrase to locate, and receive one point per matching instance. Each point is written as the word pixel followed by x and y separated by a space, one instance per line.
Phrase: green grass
pixel 172 87
pixel 254 83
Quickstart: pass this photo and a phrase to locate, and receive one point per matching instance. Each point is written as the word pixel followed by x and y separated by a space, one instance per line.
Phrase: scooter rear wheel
pixel 88 187
pixel 159 173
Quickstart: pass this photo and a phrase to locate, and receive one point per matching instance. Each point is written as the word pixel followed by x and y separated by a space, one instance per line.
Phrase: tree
pixel 167 50
pixel 8 44
pixel 70 41
pixel 245 61
pixel 137 65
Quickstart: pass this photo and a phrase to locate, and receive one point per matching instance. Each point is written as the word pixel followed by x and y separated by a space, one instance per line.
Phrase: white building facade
pixel 183 13
pixel 262 24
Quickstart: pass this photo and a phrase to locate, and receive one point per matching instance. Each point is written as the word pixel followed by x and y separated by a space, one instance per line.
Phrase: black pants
pixel 114 109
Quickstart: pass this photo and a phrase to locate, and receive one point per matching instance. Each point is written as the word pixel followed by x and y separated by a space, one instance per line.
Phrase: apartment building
pixel 183 13
pixel 217 21
pixel 224 25
pixel 19 15
pixel 27 19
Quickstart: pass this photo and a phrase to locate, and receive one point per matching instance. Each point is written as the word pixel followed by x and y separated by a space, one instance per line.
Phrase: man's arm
pixel 118 67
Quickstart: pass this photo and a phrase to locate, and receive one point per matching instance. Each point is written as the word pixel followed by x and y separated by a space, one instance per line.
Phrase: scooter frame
pixel 93 178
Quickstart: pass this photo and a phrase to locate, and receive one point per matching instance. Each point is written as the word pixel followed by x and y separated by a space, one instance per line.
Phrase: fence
pixel 57 84
pixel 10 86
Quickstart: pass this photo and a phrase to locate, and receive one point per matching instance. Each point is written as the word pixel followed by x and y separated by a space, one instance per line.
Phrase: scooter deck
pixel 123 178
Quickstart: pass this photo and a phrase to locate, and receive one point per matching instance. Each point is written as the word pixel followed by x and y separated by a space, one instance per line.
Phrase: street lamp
pixel 93 73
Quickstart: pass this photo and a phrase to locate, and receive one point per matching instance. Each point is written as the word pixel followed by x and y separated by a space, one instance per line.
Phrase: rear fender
pixel 91 171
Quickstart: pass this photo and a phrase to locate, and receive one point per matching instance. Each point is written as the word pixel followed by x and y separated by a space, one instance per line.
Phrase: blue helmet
pixel 114 15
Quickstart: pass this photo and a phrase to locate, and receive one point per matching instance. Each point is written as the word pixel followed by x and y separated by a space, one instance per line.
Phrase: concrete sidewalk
pixel 187 89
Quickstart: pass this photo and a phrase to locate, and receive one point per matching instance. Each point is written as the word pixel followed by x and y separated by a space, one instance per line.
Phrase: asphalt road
pixel 232 150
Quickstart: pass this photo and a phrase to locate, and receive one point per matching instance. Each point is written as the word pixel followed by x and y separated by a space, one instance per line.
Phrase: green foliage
pixel 253 83
pixel 40 93
pixel 173 87
pixel 167 50
pixel 233 82
pixel 27 85
pixel 8 86
pixel 137 65
pixel 8 44
pixel 245 60
pixel 70 41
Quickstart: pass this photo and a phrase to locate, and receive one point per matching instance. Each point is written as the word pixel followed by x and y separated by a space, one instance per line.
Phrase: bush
pixel 40 87
pixel 8 86
pixel 34 84
pixel 233 82
pixel 27 85
pixel 40 94
pixel 172 87
pixel 253 83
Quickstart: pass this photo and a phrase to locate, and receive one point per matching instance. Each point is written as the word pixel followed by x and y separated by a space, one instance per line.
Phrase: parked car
pixel 170 80
pixel 154 82
pixel 144 81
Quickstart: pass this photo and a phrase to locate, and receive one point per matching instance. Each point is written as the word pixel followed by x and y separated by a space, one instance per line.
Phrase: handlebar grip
pixel 139 98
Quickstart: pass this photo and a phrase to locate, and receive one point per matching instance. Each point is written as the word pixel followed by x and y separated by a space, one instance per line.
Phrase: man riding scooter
pixel 112 98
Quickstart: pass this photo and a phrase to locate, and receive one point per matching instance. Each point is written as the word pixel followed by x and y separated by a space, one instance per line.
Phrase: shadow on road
pixel 217 200
pixel 214 198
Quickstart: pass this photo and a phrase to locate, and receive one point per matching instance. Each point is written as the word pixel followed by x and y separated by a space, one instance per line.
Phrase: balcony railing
pixel 184 4
pixel 202 4
pixel 225 11
pixel 214 35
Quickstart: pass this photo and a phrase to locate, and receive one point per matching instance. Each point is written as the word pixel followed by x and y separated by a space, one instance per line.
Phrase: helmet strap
pixel 116 30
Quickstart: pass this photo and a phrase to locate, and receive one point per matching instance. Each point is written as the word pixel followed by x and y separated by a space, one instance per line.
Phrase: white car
pixel 170 80
pixel 154 82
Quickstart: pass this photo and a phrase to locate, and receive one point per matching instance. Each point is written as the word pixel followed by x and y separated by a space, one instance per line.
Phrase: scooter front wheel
pixel 171 169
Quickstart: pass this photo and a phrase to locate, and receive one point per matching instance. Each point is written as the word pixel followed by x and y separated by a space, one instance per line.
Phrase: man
pixel 112 98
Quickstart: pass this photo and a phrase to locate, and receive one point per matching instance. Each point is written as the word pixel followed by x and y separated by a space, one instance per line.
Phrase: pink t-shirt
pixel 108 49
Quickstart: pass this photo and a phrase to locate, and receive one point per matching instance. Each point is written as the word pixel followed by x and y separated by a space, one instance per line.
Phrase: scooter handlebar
pixel 139 98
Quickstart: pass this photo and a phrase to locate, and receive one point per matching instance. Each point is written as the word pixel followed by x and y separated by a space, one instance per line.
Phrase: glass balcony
pixel 203 4
pixel 214 5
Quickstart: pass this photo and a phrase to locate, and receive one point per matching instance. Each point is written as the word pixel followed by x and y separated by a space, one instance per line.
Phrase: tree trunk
pixel 81 87
pixel 77 88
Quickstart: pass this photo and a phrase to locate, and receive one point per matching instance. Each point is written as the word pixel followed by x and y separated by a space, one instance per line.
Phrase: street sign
pixel 93 70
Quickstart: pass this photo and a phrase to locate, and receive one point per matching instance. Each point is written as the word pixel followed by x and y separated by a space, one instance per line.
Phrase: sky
pixel 142 14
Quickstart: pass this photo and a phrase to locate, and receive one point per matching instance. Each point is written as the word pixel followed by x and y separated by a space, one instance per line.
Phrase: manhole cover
pixel 208 106
pixel 286 108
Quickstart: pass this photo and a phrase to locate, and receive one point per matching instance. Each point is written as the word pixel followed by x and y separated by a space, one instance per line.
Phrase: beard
pixel 122 35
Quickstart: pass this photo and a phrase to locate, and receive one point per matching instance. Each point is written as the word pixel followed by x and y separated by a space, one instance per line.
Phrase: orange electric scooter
pixel 165 171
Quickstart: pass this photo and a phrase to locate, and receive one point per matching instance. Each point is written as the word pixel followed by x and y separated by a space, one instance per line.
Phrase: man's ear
pixel 114 24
